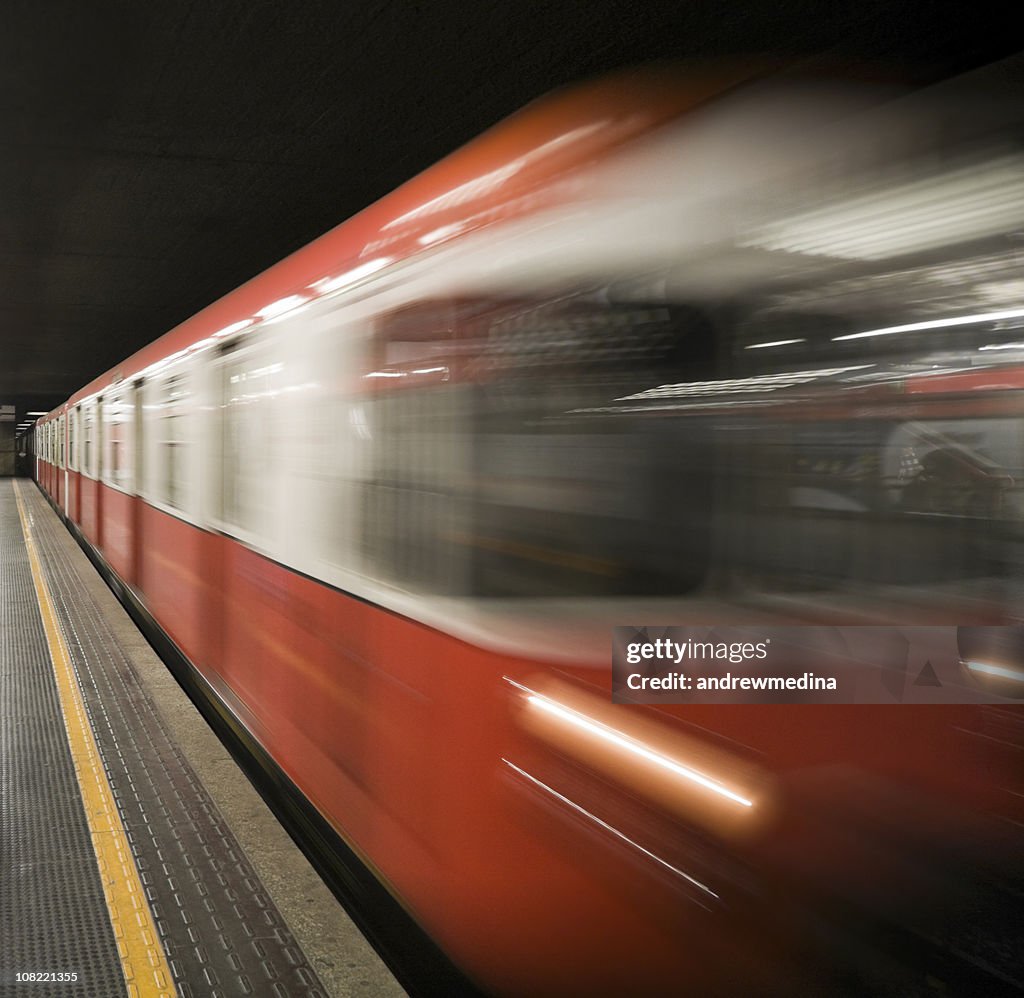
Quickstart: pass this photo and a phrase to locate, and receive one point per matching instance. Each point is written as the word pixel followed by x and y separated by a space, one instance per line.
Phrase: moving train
pixel 719 345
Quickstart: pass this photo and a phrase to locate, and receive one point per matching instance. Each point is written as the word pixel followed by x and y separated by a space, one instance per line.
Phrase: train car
pixel 668 348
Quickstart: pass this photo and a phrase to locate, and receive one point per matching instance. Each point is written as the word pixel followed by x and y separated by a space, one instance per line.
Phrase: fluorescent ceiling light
pixel 982 199
pixel 912 327
pixel 761 383
pixel 773 343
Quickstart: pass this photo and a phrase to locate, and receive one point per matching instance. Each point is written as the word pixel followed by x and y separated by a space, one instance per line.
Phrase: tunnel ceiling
pixel 155 155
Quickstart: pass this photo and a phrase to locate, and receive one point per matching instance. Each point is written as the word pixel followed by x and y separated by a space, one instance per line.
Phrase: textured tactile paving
pixel 53 914
pixel 222 933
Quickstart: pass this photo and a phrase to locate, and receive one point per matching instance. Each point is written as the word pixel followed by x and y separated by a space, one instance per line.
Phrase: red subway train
pixel 706 346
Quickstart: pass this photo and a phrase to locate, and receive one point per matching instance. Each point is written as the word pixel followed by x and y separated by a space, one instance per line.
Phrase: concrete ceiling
pixel 155 155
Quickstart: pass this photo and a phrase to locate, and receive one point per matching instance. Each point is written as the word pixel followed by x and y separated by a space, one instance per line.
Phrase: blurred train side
pixel 389 497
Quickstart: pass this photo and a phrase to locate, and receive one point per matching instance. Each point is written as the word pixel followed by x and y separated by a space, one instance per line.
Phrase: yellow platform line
pixel 143 962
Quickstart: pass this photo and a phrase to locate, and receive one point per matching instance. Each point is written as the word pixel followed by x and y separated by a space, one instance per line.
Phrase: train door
pixel 71 507
pixel 87 479
pixel 118 477
pixel 134 402
pixel 64 462
pixel 76 465
pixel 246 384
pixel 99 436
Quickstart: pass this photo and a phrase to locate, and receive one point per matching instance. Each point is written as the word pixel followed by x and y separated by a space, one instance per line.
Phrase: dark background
pixel 155 155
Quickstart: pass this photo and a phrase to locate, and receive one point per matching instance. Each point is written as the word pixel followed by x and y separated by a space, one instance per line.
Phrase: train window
pixel 112 465
pixel 174 395
pixel 331 443
pixel 823 504
pixel 247 385
pixel 118 420
pixel 72 439
pixel 503 467
pixel 574 494
pixel 86 440
pixel 90 437
pixel 416 416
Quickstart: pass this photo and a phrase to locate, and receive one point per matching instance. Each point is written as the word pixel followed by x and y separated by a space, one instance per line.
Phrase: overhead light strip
pixel 911 327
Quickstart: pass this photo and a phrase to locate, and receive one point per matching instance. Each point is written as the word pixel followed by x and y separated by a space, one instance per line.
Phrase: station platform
pixel 135 858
